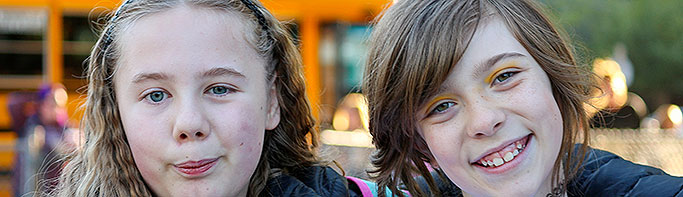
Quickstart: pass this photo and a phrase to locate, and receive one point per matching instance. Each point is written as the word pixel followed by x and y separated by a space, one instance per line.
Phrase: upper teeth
pixel 508 156
pixel 499 159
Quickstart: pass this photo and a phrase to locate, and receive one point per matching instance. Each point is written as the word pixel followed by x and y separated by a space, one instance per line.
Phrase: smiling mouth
pixel 505 155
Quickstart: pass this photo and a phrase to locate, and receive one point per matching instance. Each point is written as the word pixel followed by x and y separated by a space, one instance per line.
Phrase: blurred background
pixel 635 46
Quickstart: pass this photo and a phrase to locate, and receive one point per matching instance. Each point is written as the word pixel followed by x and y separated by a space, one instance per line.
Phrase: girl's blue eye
pixel 443 107
pixel 219 90
pixel 503 77
pixel 157 96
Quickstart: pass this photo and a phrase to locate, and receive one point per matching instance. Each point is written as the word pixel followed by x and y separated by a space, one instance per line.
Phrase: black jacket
pixel 310 181
pixel 602 174
pixel 606 174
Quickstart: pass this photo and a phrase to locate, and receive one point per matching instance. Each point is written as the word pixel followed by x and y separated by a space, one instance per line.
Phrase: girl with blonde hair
pixel 489 94
pixel 196 98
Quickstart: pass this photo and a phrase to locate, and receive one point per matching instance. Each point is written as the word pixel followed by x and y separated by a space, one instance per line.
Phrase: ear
pixel 273 116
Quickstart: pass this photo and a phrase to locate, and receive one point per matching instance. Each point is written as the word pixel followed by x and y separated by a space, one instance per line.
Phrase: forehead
pixel 186 36
pixel 491 38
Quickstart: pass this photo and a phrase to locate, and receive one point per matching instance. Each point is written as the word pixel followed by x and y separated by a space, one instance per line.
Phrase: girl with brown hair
pixel 196 98
pixel 489 94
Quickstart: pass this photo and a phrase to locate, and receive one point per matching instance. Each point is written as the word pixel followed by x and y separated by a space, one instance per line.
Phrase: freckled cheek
pixel 148 171
pixel 144 131
pixel 543 111
pixel 535 102
pixel 552 110
pixel 146 158
pixel 252 138
pixel 246 145
pixel 443 146
pixel 140 131
pixel 243 130
pixel 445 158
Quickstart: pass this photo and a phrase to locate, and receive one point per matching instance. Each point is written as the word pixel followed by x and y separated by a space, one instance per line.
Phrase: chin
pixel 206 191
pixel 203 188
pixel 518 187
pixel 505 192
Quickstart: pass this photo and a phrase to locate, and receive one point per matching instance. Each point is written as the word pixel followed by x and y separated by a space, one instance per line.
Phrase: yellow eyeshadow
pixel 490 77
pixel 437 99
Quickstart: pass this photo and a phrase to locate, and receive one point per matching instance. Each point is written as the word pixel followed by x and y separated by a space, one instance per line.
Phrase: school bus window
pixel 79 37
pixel 21 41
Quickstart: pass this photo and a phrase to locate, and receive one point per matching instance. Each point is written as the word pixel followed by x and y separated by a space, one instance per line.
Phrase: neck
pixel 547 189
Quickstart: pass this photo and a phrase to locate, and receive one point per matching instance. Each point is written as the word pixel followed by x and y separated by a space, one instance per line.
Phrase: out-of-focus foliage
pixel 652 31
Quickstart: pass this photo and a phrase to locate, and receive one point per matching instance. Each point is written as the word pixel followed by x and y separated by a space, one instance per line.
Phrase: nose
pixel 190 122
pixel 190 135
pixel 484 120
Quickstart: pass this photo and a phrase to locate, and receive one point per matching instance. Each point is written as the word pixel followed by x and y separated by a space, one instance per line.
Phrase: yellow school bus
pixel 46 41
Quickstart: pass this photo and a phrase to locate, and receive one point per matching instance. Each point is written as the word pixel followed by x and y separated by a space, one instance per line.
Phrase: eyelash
pixel 496 79
pixel 166 95
pixel 148 96
pixel 228 89
pixel 435 109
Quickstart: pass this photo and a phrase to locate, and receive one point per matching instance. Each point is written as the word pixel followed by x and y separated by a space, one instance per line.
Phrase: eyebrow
pixel 488 64
pixel 141 77
pixel 214 72
pixel 484 66
pixel 220 71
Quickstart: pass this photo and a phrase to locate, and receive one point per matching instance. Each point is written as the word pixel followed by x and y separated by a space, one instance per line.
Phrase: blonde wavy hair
pixel 104 166
pixel 412 50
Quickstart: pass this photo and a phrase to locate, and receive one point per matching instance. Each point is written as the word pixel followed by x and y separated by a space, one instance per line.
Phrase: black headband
pixel 259 16
pixel 107 34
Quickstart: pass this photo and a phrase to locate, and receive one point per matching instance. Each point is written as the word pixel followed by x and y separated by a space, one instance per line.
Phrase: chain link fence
pixel 661 148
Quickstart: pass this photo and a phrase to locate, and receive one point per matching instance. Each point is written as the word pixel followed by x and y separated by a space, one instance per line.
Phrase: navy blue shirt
pixel 602 174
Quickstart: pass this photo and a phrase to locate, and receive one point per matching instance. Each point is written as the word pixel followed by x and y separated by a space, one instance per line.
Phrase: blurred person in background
pixel 21 106
pixel 40 140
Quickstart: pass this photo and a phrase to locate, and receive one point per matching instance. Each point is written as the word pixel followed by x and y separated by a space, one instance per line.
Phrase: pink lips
pixel 196 168
pixel 507 165
pixel 496 149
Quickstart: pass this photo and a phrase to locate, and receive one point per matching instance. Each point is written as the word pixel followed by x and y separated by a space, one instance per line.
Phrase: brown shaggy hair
pixel 413 48
pixel 104 166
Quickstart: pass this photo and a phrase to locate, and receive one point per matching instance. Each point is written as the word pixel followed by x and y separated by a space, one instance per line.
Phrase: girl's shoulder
pixel 306 181
pixel 606 174
pixel 361 187
pixel 318 181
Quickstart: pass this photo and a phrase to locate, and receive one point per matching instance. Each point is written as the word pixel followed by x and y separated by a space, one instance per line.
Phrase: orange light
pixel 617 90
pixel 341 121
pixel 351 114
pixel 61 97
pixel 675 115
pixel 618 84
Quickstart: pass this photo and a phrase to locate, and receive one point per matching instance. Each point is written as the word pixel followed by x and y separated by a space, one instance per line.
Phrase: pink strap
pixel 364 189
